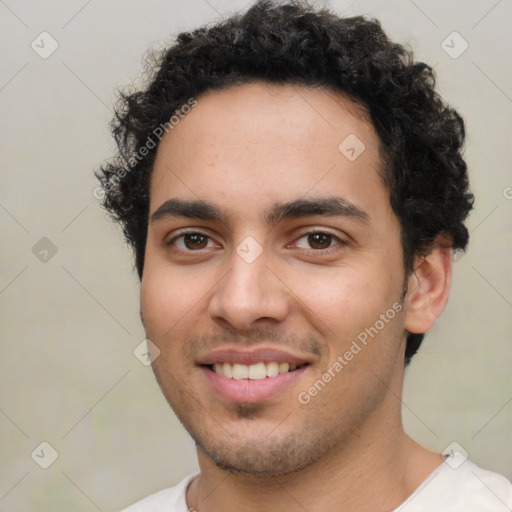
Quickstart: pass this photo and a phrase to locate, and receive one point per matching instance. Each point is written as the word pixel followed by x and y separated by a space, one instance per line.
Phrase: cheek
pixel 168 298
pixel 340 298
pixel 341 303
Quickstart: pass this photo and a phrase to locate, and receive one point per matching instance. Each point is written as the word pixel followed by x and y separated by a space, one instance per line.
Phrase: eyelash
pixel 338 242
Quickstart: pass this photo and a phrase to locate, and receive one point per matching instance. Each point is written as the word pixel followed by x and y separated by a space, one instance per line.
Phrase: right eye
pixel 191 241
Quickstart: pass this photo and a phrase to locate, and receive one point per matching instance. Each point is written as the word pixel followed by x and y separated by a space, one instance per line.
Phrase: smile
pixel 256 371
pixel 250 383
pixel 255 374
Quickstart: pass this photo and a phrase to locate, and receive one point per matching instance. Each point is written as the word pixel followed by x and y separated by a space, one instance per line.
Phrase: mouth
pixel 257 371
pixel 249 376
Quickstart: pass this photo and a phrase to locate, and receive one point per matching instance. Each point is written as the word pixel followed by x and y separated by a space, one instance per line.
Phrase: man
pixel 294 189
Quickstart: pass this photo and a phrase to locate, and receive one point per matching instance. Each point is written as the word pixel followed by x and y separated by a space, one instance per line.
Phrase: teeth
pixel 240 371
pixel 272 369
pixel 227 370
pixel 256 371
pixel 284 367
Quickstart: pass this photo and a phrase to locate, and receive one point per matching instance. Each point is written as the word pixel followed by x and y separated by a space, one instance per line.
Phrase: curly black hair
pixel 421 136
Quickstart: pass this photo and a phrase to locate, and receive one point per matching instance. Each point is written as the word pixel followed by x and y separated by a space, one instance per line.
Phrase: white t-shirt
pixel 457 485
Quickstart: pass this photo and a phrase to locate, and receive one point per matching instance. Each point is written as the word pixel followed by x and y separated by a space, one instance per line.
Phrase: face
pixel 273 277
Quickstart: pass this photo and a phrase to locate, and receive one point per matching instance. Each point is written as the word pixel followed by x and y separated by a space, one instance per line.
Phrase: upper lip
pixel 250 356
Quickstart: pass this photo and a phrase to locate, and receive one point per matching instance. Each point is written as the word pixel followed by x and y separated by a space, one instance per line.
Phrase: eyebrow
pixel 327 206
pixel 203 210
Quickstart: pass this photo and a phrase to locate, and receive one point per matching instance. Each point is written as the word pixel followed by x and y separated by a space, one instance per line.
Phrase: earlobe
pixel 428 289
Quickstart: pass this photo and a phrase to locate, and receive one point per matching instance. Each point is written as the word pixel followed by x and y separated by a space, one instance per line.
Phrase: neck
pixel 377 470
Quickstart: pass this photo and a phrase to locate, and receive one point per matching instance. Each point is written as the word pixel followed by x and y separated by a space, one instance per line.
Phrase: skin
pixel 245 149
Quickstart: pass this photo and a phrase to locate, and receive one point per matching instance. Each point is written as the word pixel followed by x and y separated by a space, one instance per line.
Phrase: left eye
pixel 317 240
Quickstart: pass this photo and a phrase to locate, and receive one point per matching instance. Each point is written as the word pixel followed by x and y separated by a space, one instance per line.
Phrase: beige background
pixel 69 325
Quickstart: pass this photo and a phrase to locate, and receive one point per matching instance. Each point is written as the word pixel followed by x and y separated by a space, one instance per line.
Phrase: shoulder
pixel 459 485
pixel 172 499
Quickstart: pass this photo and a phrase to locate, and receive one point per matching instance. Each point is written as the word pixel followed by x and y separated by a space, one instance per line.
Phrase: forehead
pixel 270 143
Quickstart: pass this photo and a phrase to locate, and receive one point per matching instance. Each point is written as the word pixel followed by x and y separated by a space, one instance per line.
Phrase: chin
pixel 259 452
pixel 253 459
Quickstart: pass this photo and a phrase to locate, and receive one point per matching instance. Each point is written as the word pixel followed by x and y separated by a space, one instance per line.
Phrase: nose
pixel 251 293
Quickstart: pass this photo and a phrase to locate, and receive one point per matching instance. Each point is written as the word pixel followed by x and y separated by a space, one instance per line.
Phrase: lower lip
pixel 250 391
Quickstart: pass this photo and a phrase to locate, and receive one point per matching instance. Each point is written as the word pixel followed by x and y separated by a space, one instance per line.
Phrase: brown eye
pixel 319 240
pixel 195 241
pixel 191 242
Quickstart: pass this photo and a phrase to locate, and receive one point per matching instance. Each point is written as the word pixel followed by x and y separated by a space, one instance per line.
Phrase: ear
pixel 428 288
